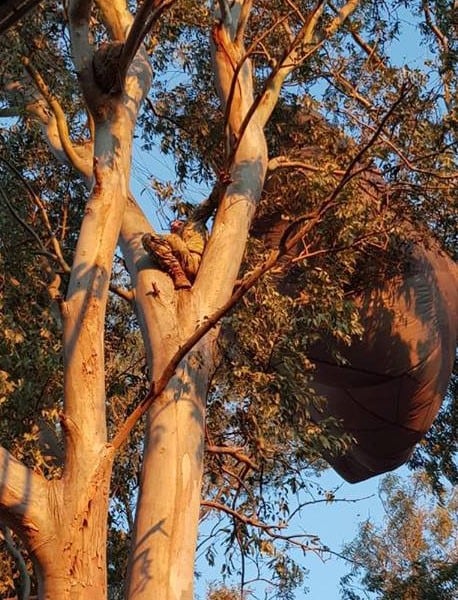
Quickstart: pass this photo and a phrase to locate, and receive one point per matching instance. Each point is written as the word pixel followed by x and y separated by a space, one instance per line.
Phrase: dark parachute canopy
pixel 387 385
pixel 391 388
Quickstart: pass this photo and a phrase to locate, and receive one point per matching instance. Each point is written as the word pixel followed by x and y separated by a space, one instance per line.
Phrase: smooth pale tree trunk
pixel 166 525
pixel 64 522
pixel 67 537
pixel 162 560
pixel 71 553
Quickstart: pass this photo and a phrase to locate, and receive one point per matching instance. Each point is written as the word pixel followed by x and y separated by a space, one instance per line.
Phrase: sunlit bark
pixel 64 522
pixel 69 519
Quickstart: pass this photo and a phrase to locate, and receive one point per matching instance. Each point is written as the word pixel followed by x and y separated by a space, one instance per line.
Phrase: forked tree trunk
pixel 164 541
pixel 64 522
pixel 70 552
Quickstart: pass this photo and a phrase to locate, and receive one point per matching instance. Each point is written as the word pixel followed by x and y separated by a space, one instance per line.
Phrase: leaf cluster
pixel 413 554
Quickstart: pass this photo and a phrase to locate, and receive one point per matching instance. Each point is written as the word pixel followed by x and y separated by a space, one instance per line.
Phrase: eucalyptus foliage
pixel 328 120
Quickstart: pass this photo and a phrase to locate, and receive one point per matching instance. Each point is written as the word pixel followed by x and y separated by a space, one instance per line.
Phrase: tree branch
pixel 343 14
pixel 368 49
pixel 147 15
pixel 123 293
pixel 283 162
pixel 239 516
pixel 237 453
pixel 44 215
pixel 272 531
pixel 294 55
pixel 440 36
pixel 290 61
pixel 237 67
pixel 116 18
pixel 61 121
pixel 23 224
pixel 243 21
pixel 21 492
pixel 79 14
pixel 408 163
pixel 54 280
pixel 348 89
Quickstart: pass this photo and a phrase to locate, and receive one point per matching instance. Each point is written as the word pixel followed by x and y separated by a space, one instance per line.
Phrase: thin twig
pixel 236 452
pixel 44 214
pixel 408 163
pixel 240 517
pixel 23 224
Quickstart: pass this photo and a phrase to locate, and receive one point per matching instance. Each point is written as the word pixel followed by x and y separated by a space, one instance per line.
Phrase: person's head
pixel 176 226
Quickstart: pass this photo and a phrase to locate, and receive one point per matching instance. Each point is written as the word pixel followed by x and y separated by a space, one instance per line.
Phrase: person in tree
pixel 179 252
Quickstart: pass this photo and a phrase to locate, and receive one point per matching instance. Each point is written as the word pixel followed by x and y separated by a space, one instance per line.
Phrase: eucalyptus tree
pixel 77 77
pixel 413 554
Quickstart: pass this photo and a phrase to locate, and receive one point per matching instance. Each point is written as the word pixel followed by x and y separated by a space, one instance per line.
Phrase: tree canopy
pixel 301 111
pixel 414 554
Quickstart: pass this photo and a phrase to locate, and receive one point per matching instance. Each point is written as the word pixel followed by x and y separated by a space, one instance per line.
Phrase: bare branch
pixel 308 254
pixel 443 42
pixel 292 57
pixel 350 172
pixel 61 121
pixel 226 15
pixel 237 453
pixel 239 478
pixel 34 105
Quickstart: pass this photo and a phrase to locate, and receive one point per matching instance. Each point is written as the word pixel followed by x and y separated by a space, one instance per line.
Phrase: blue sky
pixel 335 524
